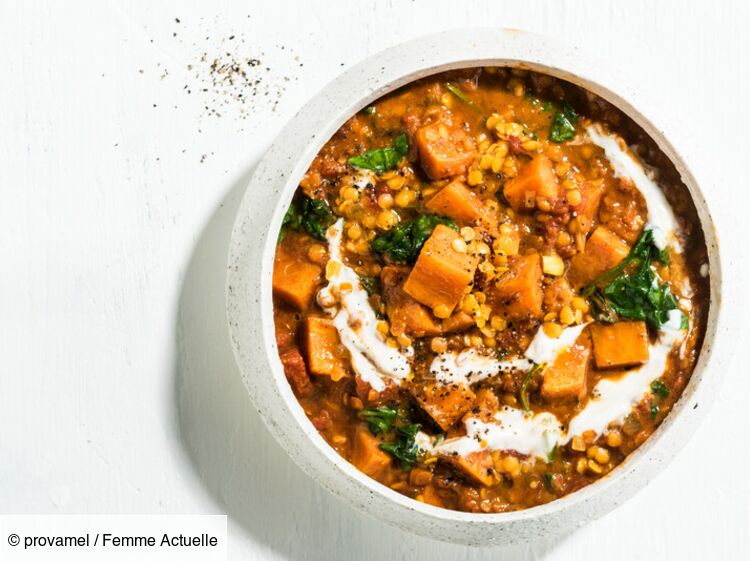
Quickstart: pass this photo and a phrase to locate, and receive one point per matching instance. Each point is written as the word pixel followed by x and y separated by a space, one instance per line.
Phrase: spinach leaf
pixel 384 419
pixel 631 290
pixel 659 389
pixel 370 284
pixel 403 243
pixel 404 448
pixel 382 159
pixel 307 215
pixel 379 419
pixel 458 92
pixel 563 124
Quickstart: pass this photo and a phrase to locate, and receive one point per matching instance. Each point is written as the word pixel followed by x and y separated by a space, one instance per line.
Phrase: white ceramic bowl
pixel 250 306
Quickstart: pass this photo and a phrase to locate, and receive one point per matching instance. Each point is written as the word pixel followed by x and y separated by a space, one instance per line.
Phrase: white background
pixel 118 390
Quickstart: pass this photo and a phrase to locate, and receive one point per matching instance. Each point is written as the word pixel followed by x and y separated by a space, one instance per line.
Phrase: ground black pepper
pixel 232 76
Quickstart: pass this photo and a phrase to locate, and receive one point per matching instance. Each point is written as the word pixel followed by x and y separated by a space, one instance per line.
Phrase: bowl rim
pixel 250 264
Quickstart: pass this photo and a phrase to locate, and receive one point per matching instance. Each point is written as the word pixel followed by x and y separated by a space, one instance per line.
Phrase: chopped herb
pixel 631 289
pixel 382 159
pixel 547 105
pixel 369 110
pixel 659 389
pixel 547 480
pixel 403 243
pixel 371 284
pixel 563 124
pixel 379 419
pixel 307 215
pixel 404 448
pixel 458 92
pixel 525 384
pixel 654 410
pixel 551 454
pixel 684 322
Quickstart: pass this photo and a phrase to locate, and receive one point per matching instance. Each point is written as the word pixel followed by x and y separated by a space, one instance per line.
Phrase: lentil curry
pixel 489 289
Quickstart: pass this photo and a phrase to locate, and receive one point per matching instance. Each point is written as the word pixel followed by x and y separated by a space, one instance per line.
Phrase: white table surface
pixel 118 390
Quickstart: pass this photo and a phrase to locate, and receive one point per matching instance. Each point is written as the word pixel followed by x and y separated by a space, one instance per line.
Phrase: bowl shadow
pixel 268 499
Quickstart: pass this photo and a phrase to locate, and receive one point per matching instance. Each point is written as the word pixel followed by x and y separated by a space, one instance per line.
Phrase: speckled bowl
pixel 251 264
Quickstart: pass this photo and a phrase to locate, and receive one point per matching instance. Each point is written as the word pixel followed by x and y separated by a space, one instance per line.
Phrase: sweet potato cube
pixel 486 405
pixel 458 202
pixel 367 456
pixel 566 378
pixel 444 151
pixel 445 404
pixel 409 316
pixel 621 344
pixel 294 278
pixel 477 466
pixel 460 321
pixel 295 371
pixel 441 274
pixel 518 293
pixel 603 251
pixel 323 349
pixel 405 314
pixel 591 196
pixel 431 497
pixel 557 294
pixel 537 179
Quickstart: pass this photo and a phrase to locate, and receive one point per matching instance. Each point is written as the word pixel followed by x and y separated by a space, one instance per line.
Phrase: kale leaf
pixel 563 124
pixel 370 284
pixel 404 448
pixel 403 243
pixel 382 159
pixel 307 215
pixel 379 419
pixel 631 290
pixel 384 419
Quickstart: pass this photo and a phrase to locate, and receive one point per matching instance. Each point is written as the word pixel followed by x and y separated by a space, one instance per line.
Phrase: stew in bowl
pixel 490 288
